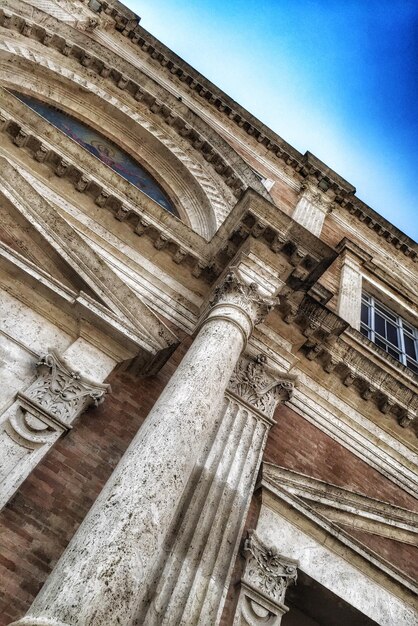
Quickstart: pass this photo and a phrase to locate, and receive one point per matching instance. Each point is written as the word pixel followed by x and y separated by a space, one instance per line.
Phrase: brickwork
pixel 296 444
pixel 402 555
pixel 40 520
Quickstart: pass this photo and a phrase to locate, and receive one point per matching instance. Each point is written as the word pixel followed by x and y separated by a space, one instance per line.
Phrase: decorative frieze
pixel 266 578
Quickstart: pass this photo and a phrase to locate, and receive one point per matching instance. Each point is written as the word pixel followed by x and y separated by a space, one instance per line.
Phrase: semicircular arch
pixel 195 196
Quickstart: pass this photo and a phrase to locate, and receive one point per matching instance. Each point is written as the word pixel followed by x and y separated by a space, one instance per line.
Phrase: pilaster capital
pixel 351 252
pixel 61 392
pixel 240 302
pixel 267 575
pixel 261 386
pixel 266 570
pixel 316 196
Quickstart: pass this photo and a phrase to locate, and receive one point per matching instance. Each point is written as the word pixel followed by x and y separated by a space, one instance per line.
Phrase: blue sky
pixel 336 77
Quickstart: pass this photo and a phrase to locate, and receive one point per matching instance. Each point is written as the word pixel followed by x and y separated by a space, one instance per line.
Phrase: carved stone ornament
pixel 315 196
pixel 62 392
pixel 257 384
pixel 266 571
pixel 246 296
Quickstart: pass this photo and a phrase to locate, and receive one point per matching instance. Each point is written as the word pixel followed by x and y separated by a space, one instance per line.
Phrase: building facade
pixel 209 351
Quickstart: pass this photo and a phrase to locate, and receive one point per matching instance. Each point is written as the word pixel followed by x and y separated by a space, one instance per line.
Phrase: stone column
pixel 104 575
pixel 266 577
pixel 349 296
pixel 191 588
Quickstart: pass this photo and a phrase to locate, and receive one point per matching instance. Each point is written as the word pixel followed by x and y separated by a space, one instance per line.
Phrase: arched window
pixel 102 148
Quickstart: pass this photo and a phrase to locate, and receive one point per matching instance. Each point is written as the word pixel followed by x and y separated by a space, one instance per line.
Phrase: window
pixel 389 331
pixel 102 148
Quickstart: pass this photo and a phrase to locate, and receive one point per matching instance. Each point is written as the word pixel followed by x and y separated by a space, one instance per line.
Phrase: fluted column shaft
pixel 102 578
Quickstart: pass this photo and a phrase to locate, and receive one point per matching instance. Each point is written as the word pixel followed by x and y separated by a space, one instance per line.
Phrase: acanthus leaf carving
pixel 246 296
pixel 63 392
pixel 254 382
pixel 266 570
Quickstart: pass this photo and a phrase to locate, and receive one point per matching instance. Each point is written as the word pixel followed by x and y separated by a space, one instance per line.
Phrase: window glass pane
pixel 412 366
pixel 393 352
pixel 365 313
pixel 384 310
pixel 408 328
pixel 379 325
pixel 102 148
pixel 392 333
pixel 410 347
pixel 365 331
pixel 380 343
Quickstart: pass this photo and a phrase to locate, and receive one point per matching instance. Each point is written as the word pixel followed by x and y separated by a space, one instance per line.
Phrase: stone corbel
pixel 39 416
pixel 266 578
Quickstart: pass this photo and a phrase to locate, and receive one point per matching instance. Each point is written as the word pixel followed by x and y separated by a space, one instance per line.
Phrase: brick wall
pixel 296 444
pixel 404 556
pixel 38 523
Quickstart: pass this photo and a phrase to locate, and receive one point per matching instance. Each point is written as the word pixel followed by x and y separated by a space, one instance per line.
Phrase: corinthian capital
pixel 267 570
pixel 61 392
pixel 259 385
pixel 245 296
pixel 263 586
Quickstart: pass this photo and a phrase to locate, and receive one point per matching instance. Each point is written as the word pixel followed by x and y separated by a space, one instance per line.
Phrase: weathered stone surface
pixel 100 272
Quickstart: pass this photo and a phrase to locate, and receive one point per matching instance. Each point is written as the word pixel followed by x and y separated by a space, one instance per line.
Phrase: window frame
pixel 404 328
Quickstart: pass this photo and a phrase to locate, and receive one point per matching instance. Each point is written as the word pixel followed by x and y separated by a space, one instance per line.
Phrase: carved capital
pixel 61 392
pixel 245 296
pixel 266 577
pixel 315 196
pixel 266 570
pixel 259 385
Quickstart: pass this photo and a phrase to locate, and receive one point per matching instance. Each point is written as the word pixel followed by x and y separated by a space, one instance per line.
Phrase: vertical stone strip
pixel 39 416
pixel 104 575
pixel 266 577
pixel 349 296
pixel 312 207
pixel 192 585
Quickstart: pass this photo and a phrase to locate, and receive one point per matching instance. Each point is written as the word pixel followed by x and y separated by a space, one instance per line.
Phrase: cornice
pixel 304 165
pixel 398 520
pixel 357 361
pixel 253 216
pixel 280 492
pixel 190 129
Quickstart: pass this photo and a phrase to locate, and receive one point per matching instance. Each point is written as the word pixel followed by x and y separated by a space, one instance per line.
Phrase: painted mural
pixel 103 149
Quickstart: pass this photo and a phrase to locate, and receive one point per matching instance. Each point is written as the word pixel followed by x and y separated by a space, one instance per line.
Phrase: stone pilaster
pixel 107 573
pixel 312 207
pixel 192 586
pixel 266 577
pixel 39 416
pixel 349 296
